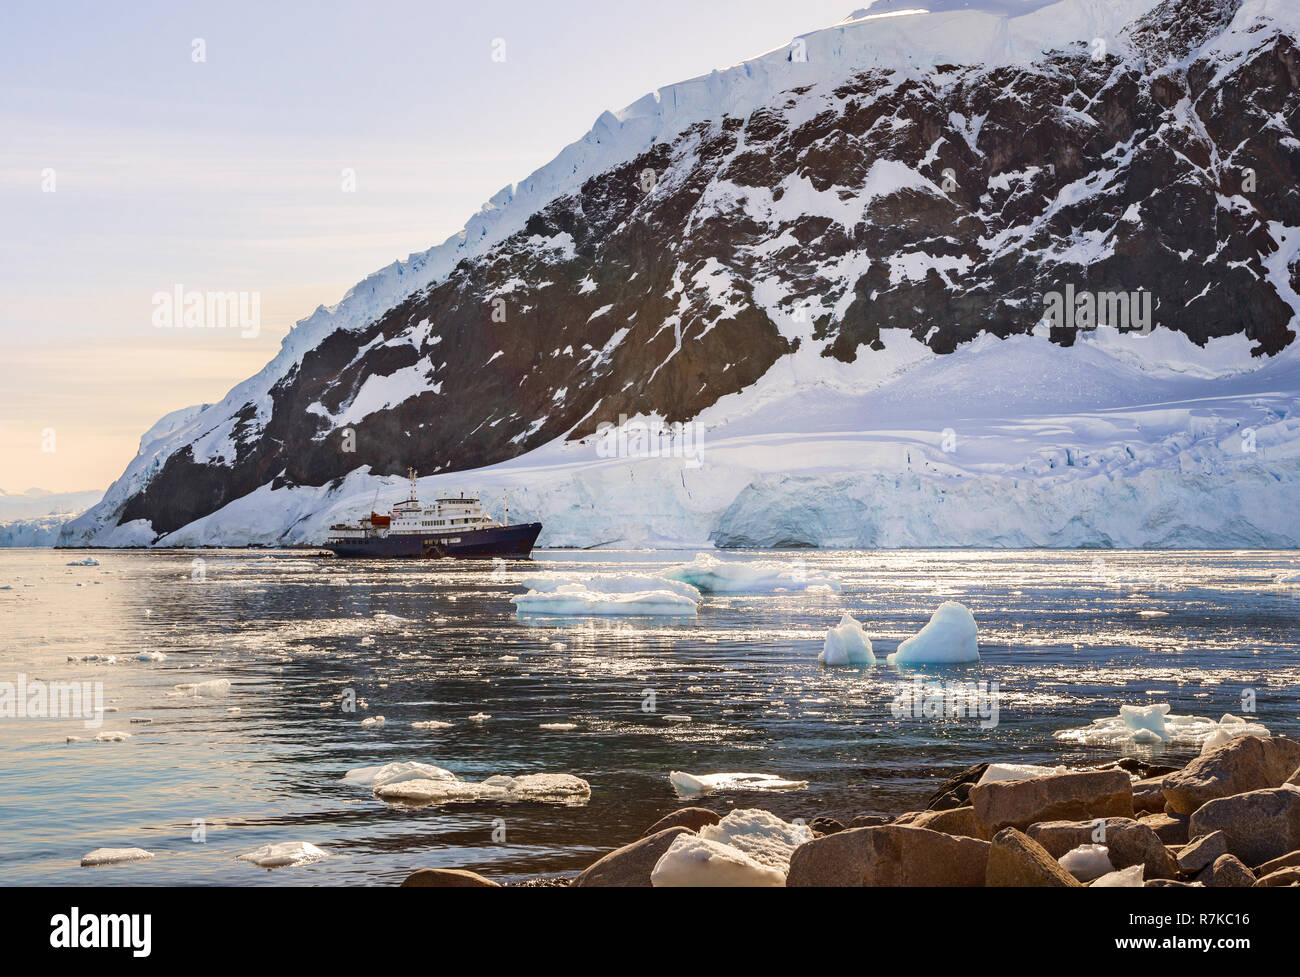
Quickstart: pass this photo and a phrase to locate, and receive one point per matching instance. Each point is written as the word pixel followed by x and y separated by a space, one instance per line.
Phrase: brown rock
pixel 1260 824
pixel 1128 842
pixel 632 864
pixel 688 817
pixel 1149 795
pixel 870 821
pixel 1282 877
pixel 1169 828
pixel 889 855
pixel 447 878
pixel 955 791
pixel 1286 861
pixel 955 821
pixel 1227 872
pixel 1202 852
pixel 1167 883
pixel 1015 859
pixel 825 826
pixel 1069 796
pixel 1244 763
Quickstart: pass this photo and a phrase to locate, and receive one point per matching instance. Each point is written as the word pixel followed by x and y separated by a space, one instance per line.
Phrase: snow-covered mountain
pixel 34 517
pixel 833 263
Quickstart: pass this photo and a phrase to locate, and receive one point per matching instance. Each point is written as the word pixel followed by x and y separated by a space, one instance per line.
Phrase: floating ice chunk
pixel 1087 862
pixel 393 773
pixel 710 575
pixel 689 784
pixel 547 788
pixel 283 854
pixel 551 787
pixel 1125 878
pixel 609 583
pixel 94 659
pixel 558 726
pixel 87 562
pixel 479 717
pixel 234 710
pixel 1292 576
pixel 373 721
pixel 1134 727
pixel 216 688
pixel 1018 771
pixel 575 600
pixel 151 656
pixel 847 644
pixel 113 737
pixel 431 724
pixel 948 639
pixel 112 856
pixel 761 835
pixel 694 861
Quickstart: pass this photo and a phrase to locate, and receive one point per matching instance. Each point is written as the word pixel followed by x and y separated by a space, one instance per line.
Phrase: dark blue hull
pixel 503 541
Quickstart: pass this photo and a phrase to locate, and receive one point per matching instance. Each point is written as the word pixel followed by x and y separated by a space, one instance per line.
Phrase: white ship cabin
pixel 449 514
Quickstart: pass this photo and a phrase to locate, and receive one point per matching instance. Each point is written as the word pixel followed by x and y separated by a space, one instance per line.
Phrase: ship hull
pixel 496 541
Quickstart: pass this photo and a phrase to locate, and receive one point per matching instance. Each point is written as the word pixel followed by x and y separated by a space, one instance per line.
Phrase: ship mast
pixel 410 473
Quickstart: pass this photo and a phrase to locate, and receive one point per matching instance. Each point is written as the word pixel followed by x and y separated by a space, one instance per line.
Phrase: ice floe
pixel 151 656
pixel 948 639
pixel 558 727
pixel 578 600
pixel 216 688
pixel 1154 725
pixel 710 575
pixel 89 561
pixel 284 854
pixel 373 721
pixel 609 583
pixel 431 724
pixel 694 861
pixel 1087 862
pixel 847 644
pixel 690 784
pixel 112 737
pixel 392 773
pixel 113 856
pixel 422 783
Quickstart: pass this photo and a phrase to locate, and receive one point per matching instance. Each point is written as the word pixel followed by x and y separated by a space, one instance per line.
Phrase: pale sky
pixel 226 174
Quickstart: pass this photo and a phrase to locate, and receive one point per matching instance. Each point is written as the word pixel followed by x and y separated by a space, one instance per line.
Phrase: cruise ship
pixel 454 527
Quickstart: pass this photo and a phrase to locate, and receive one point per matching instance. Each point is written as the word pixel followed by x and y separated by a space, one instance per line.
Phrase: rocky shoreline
pixel 1230 818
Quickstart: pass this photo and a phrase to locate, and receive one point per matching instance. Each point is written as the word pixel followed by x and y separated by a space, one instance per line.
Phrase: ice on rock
pixel 1018 771
pixel 577 600
pixel 1087 862
pixel 710 575
pixel 847 644
pixel 1155 725
pixel 1125 878
pixel 690 784
pixel 694 861
pixel 948 639
pixel 113 856
pixel 393 773
pixel 284 854
pixel 761 835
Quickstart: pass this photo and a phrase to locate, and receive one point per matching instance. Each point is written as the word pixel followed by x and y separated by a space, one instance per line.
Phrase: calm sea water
pixel 1068 637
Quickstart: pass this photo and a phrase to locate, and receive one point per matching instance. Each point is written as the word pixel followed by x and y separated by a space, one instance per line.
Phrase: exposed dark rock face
pixel 946 203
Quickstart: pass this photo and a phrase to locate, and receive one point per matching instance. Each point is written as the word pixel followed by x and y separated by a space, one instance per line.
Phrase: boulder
pixel 1286 861
pixel 955 821
pixel 1169 828
pixel 1244 763
pixel 1227 872
pixel 955 791
pixel 1015 859
pixel 1259 825
pixel 447 878
pixel 1202 852
pixel 870 821
pixel 1149 795
pixel 632 864
pixel 688 817
pixel 1060 797
pixel 1129 842
pixel 889 855
pixel 825 826
pixel 1282 877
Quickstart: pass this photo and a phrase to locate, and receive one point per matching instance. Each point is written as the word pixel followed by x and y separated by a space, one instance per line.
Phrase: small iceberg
pixel 689 785
pixel 284 854
pixel 87 562
pixel 114 856
pixel 948 639
pixel 761 835
pixel 392 773
pixel 710 575
pixel 847 644
pixel 1087 862
pixel 114 737
pixel 694 861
